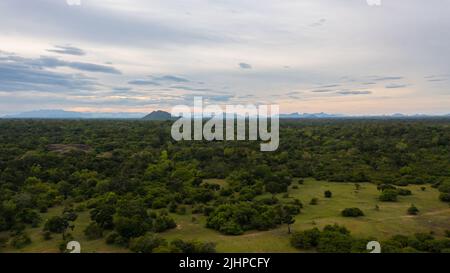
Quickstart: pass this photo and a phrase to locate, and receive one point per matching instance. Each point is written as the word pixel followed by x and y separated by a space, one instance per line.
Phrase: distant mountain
pixel 162 115
pixel 307 115
pixel 158 115
pixel 61 114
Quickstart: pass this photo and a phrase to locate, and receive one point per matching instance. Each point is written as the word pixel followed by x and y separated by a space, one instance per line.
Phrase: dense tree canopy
pixel 128 174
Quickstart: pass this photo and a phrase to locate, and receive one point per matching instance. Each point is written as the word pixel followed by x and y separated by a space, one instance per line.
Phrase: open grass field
pixel 390 219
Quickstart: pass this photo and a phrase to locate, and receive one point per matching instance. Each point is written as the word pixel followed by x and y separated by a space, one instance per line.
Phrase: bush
pixel 129 227
pixel 114 238
pixel 193 246
pixel 332 239
pixel 181 210
pixel 413 210
pixel 388 196
pixel 20 240
pixel 93 231
pixel 307 239
pixel 447 233
pixel 29 216
pixel 146 243
pixel 47 235
pixel 445 187
pixel 56 224
pixel 352 212
pixel 384 187
pixel 3 241
pixel 234 219
pixel 231 228
pixel 444 197
pixel 404 192
pixel 314 201
pixel 163 223
pixel 335 242
pixel 328 194
pixel 111 238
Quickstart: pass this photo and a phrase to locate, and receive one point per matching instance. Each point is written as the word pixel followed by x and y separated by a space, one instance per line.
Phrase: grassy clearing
pixel 388 220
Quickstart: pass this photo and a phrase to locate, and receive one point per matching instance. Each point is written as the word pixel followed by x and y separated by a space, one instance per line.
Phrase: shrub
pixel 111 238
pixel 234 219
pixel 413 210
pixel 56 224
pixel 20 240
pixel 444 197
pixel 332 239
pixel 447 233
pixel 193 246
pixel 306 239
pixel 47 235
pixel 403 192
pixel 231 228
pixel 328 194
pixel 3 241
pixel 114 238
pixel 314 201
pixel 29 216
pixel 146 243
pixel 445 187
pixel 297 203
pixel 93 231
pixel 352 212
pixel 388 196
pixel 334 242
pixel 384 187
pixel 181 210
pixel 163 223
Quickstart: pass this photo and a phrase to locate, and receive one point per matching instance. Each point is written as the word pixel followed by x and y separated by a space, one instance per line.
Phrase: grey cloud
pixel 394 86
pixel 245 66
pixel 210 98
pixel 246 96
pixel 54 62
pixel 330 86
pixel 68 50
pixel 122 89
pixel 187 88
pixel 50 62
pixel 143 82
pixel 17 76
pixel 319 23
pixel 92 67
pixel 57 19
pixel 437 80
pixel 388 78
pixel 322 90
pixel 219 98
pixel 170 78
pixel 437 76
pixel 346 92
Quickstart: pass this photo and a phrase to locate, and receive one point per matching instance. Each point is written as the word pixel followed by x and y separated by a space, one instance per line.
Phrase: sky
pixel 334 56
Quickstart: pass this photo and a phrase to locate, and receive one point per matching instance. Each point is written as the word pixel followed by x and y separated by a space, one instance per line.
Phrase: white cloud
pixel 401 40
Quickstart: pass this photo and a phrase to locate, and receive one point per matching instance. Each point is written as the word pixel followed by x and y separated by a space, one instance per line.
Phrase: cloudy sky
pixel 305 55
